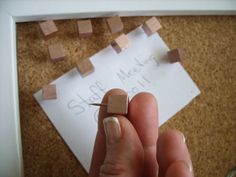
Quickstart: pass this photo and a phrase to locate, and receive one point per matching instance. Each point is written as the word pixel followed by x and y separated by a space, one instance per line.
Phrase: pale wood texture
pixel 151 26
pixel 56 52
pixel 85 28
pixel 85 67
pixel 117 104
pixel 48 28
pixel 115 24
pixel 120 43
pixel 49 92
pixel 175 55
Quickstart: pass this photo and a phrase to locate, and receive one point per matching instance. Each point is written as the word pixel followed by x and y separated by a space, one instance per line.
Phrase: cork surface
pixel 208 122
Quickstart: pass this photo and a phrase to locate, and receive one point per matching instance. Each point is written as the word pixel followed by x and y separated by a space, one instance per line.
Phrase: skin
pixel 140 152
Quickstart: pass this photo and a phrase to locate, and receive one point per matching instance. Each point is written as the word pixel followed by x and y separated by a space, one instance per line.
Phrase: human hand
pixel 131 147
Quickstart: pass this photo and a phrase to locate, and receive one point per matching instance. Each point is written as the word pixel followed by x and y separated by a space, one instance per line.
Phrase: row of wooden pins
pixel 85 67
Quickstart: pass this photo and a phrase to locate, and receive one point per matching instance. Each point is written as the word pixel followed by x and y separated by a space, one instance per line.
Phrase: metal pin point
pixel 98 104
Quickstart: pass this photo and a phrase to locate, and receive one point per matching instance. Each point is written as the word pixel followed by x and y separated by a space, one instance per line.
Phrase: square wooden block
pixel 151 26
pixel 85 67
pixel 48 28
pixel 115 24
pixel 49 92
pixel 85 28
pixel 175 55
pixel 56 52
pixel 120 43
pixel 118 104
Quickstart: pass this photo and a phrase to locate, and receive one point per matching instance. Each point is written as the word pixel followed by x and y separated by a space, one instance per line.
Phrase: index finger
pixel 99 150
pixel 143 114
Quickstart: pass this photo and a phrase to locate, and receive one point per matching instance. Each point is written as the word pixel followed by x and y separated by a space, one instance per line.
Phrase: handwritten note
pixel 141 67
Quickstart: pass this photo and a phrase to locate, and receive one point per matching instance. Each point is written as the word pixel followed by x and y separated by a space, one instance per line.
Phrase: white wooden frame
pixel 11 163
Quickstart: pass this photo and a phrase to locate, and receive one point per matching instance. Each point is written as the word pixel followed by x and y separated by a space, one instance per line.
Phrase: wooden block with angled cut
pixel 85 28
pixel 85 67
pixel 49 92
pixel 175 55
pixel 120 43
pixel 48 28
pixel 118 104
pixel 56 52
pixel 115 24
pixel 151 26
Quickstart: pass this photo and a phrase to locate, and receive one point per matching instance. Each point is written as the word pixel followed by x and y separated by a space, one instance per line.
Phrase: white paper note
pixel 141 67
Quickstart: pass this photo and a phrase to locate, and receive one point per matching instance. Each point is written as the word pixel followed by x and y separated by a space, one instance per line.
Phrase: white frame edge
pixel 11 162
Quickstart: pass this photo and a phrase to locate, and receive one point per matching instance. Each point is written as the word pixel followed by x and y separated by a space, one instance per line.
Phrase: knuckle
pixel 113 169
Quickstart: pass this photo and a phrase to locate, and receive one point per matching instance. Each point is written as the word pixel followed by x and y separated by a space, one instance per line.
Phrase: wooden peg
pixel 49 92
pixel 117 104
pixel 151 26
pixel 85 28
pixel 56 52
pixel 115 24
pixel 48 28
pixel 120 43
pixel 85 67
pixel 175 55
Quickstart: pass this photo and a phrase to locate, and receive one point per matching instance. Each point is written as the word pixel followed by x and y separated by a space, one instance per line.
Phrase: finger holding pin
pixel 117 104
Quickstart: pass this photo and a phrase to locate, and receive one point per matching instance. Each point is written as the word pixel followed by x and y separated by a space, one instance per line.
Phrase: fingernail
pixel 112 129
pixel 189 166
pixel 184 139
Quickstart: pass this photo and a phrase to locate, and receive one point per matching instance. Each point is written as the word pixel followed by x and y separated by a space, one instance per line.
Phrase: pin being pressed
pixel 117 104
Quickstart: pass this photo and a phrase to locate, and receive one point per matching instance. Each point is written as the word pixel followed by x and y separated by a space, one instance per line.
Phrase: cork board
pixel 208 122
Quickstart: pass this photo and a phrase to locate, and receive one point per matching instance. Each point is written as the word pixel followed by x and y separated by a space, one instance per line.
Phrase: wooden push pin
pixel 175 55
pixel 56 52
pixel 85 67
pixel 85 28
pixel 115 24
pixel 117 104
pixel 48 28
pixel 120 43
pixel 151 26
pixel 49 92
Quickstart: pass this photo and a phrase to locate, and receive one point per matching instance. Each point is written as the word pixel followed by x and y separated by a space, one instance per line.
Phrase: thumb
pixel 124 152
